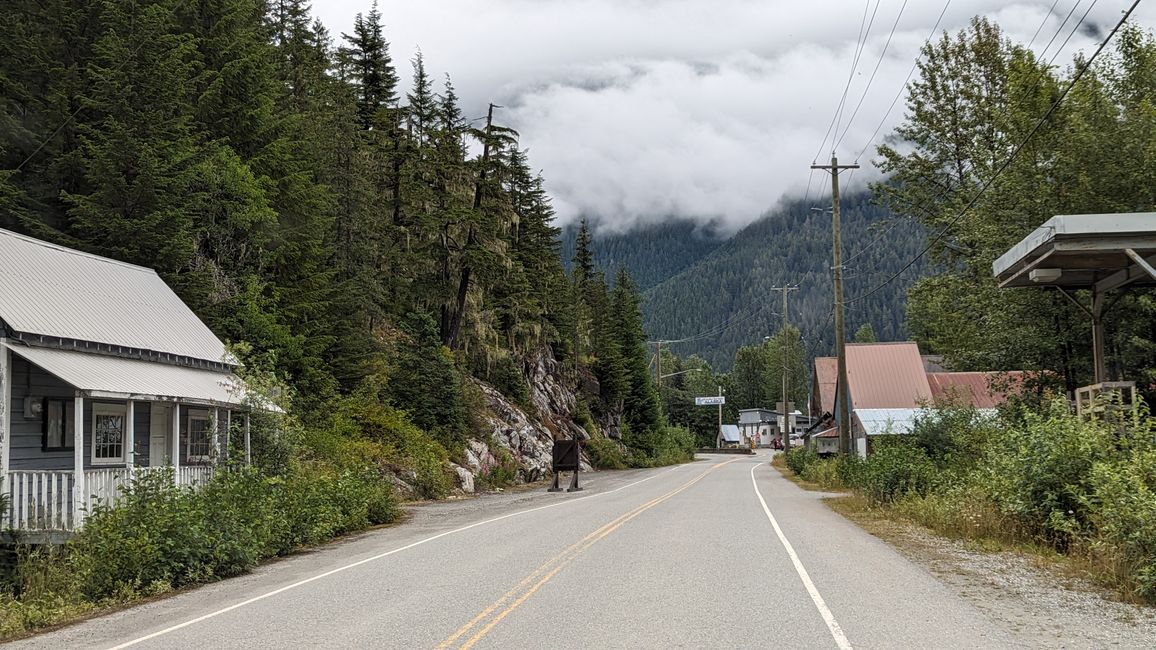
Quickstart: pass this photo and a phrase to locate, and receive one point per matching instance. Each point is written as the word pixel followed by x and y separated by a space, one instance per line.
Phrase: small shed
pixel 729 436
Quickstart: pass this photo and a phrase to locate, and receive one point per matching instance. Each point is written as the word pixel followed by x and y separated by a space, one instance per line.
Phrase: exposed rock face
pixel 527 438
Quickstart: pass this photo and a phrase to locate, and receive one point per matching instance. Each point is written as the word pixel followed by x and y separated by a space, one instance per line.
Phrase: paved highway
pixel 719 553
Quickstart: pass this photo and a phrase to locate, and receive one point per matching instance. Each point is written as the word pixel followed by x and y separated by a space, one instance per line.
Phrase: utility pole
pixel 786 372
pixel 841 392
pixel 658 366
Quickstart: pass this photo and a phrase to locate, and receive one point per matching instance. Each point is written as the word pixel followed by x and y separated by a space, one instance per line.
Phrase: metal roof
pixel 114 377
pixel 1087 249
pixel 976 389
pixel 826 376
pixel 886 375
pixel 730 432
pixel 54 291
pixel 882 421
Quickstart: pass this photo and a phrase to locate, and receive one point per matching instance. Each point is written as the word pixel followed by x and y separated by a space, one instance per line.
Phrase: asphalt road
pixel 720 553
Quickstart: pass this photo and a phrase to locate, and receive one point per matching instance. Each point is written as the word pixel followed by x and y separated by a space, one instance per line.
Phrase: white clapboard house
pixel 104 374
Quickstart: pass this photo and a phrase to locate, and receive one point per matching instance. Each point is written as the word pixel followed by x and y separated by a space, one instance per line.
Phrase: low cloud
pixel 642 110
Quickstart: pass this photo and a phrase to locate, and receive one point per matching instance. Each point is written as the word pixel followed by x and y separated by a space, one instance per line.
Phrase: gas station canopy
pixel 1100 252
pixel 1097 252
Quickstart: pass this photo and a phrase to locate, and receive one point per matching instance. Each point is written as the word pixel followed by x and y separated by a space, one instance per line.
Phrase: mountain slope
pixel 652 253
pixel 728 294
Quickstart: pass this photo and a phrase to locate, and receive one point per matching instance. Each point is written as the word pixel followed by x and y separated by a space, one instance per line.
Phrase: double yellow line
pixel 533 582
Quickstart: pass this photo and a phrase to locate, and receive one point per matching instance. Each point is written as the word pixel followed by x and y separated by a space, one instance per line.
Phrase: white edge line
pixel 378 557
pixel 820 604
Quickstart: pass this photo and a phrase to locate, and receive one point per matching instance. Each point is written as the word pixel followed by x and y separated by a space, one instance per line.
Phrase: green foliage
pixel 160 537
pixel 1123 506
pixel 799 458
pixel 977 95
pixel 605 453
pixel 1040 471
pixel 893 471
pixel 507 377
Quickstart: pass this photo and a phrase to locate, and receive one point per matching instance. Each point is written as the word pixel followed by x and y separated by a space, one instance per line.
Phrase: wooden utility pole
pixel 786 371
pixel 841 393
pixel 658 366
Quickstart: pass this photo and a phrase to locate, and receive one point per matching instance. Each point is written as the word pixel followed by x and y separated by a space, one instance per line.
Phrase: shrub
pixel 604 453
pixel 160 536
pixel 1123 506
pixel 824 472
pixel 799 458
pixel 1039 471
pixel 893 470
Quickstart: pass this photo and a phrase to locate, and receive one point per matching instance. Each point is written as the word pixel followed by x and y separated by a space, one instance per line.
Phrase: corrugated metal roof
pixel 974 388
pixel 826 375
pixel 55 291
pixel 886 375
pixel 1075 225
pixel 730 432
pixel 876 422
pixel 115 376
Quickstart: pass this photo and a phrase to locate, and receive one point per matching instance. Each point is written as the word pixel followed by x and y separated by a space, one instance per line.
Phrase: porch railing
pixel 41 500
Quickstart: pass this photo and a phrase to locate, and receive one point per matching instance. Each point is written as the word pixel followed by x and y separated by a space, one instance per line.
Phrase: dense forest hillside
pixel 361 243
pixel 725 300
pixel 651 253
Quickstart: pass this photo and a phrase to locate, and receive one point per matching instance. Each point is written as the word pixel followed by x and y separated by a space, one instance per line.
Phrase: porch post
pixel 216 436
pixel 79 494
pixel 176 434
pixel 248 451
pixel 228 431
pixel 129 437
pixel 5 410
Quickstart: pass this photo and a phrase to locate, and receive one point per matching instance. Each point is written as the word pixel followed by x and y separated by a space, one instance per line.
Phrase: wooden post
pixel 1099 368
pixel 79 494
pixel 176 434
pixel 248 451
pixel 130 437
pixel 228 431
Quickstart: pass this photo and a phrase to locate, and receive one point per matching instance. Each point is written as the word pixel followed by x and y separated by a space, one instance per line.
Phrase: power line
pixel 899 94
pixel 854 66
pixel 1043 22
pixel 850 76
pixel 871 79
pixel 1007 162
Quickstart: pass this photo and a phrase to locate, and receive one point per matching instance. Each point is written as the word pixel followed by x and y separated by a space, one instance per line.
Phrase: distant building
pixel 889 383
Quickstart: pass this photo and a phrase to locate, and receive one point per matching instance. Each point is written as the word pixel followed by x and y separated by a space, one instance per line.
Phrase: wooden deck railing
pixel 41 500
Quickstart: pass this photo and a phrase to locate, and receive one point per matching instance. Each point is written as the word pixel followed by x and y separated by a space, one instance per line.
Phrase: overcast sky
pixel 640 110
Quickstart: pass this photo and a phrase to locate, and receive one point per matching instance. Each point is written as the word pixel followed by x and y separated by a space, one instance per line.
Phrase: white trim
pixel 5 411
pixel 130 435
pixel 175 445
pixel 102 408
pixel 79 495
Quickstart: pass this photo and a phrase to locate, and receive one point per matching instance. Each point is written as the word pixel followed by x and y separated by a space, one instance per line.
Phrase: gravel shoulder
pixel 1036 599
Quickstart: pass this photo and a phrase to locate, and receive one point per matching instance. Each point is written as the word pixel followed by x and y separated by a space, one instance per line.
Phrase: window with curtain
pixel 58 433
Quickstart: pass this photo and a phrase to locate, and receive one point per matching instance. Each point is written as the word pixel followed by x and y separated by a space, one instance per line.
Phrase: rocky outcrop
pixel 525 439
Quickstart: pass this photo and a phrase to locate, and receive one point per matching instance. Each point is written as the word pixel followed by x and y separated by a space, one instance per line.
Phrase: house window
pixel 58 433
pixel 199 442
pixel 108 429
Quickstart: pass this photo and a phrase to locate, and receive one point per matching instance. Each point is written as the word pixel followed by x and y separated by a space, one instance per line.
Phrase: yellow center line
pixel 558 562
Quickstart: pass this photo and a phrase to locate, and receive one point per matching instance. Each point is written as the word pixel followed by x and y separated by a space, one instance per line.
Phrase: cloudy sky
pixel 642 110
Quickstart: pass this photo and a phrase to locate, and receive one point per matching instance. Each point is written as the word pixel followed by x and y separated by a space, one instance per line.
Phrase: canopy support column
pixel 248 449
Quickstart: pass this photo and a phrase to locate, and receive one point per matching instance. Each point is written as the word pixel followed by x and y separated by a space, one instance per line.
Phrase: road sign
pixel 714 400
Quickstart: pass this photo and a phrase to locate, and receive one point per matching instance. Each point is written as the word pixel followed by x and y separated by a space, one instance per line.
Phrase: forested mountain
pixel 330 222
pixel 651 253
pixel 726 299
